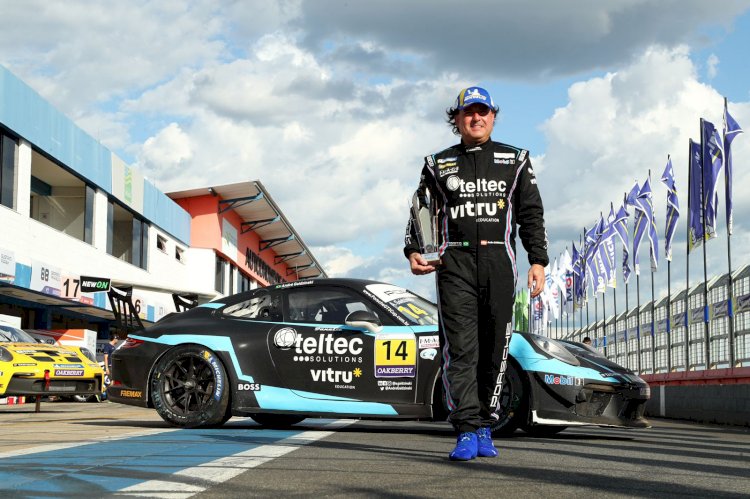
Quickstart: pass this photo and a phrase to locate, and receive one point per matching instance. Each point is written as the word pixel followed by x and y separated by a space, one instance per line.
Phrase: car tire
pixel 189 387
pixel 276 420
pixel 543 430
pixel 514 402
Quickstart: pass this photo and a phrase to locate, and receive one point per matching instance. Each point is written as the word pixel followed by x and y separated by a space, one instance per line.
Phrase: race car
pixel 350 348
pixel 28 367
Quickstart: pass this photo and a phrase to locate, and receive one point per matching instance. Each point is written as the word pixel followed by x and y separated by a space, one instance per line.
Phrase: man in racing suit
pixel 483 189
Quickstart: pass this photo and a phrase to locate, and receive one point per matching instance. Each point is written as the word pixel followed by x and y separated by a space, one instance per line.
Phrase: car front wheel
pixel 189 387
pixel 514 402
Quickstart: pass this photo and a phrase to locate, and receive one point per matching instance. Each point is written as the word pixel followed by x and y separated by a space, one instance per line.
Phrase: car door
pixel 318 356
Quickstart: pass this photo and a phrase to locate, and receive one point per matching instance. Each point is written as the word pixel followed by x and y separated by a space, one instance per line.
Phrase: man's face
pixel 475 123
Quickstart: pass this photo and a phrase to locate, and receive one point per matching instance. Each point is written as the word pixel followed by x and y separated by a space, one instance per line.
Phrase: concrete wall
pixel 724 404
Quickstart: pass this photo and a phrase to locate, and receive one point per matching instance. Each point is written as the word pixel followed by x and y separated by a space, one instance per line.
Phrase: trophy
pixel 424 220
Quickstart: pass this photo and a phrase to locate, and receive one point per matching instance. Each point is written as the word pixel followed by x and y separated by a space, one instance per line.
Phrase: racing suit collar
pixel 476 148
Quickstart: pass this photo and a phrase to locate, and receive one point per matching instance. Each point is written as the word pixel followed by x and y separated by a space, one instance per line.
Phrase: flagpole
pixel 638 316
pixel 669 315
pixel 707 340
pixel 687 260
pixel 669 287
pixel 614 303
pixel 728 196
pixel 653 326
pixel 652 254
pixel 627 305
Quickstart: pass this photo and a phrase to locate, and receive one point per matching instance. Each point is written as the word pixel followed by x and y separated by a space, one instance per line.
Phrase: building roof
pixel 259 213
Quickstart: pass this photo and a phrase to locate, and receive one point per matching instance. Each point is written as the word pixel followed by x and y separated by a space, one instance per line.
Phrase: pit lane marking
pixel 173 463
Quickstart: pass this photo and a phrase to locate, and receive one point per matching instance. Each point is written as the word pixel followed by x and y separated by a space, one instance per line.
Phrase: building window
pixel 220 275
pixel 127 235
pixel 8 148
pixel 179 254
pixel 161 243
pixel 60 199
pixel 88 215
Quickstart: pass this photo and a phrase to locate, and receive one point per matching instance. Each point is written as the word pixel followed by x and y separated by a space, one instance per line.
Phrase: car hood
pixel 39 352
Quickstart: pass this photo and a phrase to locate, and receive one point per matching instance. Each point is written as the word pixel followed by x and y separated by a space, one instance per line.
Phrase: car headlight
pixel 554 349
pixel 5 355
pixel 89 354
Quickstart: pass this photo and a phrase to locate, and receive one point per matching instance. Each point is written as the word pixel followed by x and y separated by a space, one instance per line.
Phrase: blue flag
pixel 577 278
pixel 673 208
pixel 731 130
pixel 591 250
pixel 713 160
pixel 645 224
pixel 695 196
pixel 620 225
pixel 631 196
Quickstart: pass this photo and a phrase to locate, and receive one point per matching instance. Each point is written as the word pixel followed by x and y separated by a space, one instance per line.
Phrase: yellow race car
pixel 28 367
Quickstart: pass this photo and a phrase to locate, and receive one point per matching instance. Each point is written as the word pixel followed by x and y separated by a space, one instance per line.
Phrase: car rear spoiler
pixel 126 315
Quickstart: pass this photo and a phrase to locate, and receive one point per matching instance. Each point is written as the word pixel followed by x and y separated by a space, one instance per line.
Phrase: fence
pixel 670 335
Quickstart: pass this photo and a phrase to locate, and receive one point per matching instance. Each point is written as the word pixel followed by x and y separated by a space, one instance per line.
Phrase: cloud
pixel 712 66
pixel 513 41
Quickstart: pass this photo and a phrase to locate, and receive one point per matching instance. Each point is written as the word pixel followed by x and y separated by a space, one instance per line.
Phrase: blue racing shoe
pixel 466 447
pixel 485 447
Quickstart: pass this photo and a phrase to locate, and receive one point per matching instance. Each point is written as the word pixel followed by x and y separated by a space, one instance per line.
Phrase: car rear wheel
pixel 276 420
pixel 189 387
pixel 514 402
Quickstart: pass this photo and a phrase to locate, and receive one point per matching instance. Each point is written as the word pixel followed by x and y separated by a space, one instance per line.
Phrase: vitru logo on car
pixel 331 376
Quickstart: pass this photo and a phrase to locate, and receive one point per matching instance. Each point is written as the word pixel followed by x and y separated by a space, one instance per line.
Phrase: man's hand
pixel 536 280
pixel 419 265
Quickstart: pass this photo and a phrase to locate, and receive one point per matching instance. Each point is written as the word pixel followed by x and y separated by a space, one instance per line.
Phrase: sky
pixel 334 104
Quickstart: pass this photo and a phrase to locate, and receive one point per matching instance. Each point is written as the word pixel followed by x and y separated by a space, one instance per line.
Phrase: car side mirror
pixel 364 320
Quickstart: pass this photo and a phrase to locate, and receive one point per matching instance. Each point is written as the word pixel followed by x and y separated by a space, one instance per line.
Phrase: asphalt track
pixel 107 449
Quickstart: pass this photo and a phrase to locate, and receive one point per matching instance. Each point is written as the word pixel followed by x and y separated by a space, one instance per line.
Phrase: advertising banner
pixel 45 278
pixel 228 239
pixel 7 266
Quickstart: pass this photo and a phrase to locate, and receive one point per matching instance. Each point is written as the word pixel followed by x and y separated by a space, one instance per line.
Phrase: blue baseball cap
pixel 474 95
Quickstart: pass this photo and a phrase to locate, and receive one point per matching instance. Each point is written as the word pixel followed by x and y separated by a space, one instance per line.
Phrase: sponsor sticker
pixel 388 292
pixel 131 394
pixel 556 379
pixel 217 373
pixel 248 387
pixel 68 372
pixel 285 338
pixel 428 354
pixel 395 356
pixel 387 385
pixel 431 341
pixel 504 155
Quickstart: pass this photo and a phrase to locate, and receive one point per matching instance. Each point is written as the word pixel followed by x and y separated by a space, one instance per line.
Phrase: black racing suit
pixel 482 193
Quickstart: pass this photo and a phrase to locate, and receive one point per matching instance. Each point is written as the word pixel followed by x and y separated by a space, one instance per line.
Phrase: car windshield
pixel 415 309
pixel 14 335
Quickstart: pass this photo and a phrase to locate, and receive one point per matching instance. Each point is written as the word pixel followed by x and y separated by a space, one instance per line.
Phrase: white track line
pixel 226 468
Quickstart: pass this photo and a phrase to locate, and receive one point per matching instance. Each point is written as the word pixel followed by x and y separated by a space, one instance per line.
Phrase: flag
pixel 695 195
pixel 645 223
pixel 566 274
pixel 620 225
pixel 577 278
pixel 590 254
pixel 632 195
pixel 713 160
pixel 673 208
pixel 731 130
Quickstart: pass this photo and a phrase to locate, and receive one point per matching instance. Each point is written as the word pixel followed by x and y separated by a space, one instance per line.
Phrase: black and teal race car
pixel 350 348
